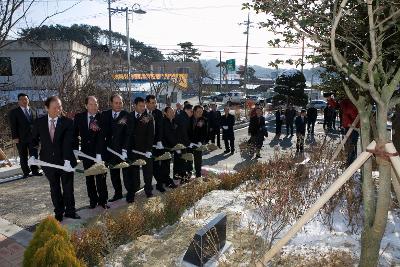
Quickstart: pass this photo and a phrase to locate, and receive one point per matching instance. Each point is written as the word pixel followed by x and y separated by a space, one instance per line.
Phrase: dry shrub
pixel 315 258
pixel 91 245
pixel 246 149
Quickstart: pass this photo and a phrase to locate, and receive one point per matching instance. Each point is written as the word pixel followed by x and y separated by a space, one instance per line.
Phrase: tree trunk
pixel 376 217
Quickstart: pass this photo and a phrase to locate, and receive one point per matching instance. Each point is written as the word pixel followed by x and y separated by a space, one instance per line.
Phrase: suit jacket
pixel 301 124
pixel 113 134
pixel 214 120
pixel 89 138
pixel 170 138
pixel 158 124
pixel 140 134
pixel 183 122
pixel 198 130
pixel 290 115
pixel 61 148
pixel 230 122
pixel 312 114
pixel 21 126
pixel 257 125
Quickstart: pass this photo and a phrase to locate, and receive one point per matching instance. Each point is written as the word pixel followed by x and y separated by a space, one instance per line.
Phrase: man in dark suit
pixel 114 125
pixel 301 122
pixel 228 135
pixel 87 128
pixel 214 125
pixel 169 139
pixel 182 169
pixel 278 122
pixel 21 123
pixel 55 132
pixel 140 137
pixel 290 115
pixel 312 114
pixel 151 109
pixel 198 134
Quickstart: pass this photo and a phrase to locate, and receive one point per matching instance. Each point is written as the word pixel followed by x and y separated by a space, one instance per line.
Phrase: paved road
pixel 26 202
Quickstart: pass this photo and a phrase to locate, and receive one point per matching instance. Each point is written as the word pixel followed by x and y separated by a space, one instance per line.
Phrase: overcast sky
pixel 209 24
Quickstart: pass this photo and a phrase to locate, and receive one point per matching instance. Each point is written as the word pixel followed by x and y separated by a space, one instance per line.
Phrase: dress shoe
pixel 160 188
pixel 131 200
pixel 226 151
pixel 25 176
pixel 232 152
pixel 219 147
pixel 59 218
pixel 72 216
pixel 104 206
pixel 92 206
pixel 37 174
pixel 114 198
pixel 149 194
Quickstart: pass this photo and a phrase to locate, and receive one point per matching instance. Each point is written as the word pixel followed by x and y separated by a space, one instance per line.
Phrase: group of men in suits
pixel 113 136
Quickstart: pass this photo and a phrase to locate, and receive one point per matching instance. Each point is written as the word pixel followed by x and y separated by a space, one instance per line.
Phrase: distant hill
pixel 262 72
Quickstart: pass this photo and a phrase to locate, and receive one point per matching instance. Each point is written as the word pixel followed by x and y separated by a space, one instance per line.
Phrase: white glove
pixel 179 151
pixel 199 144
pixel 225 127
pixel 67 166
pixel 31 161
pixel 98 158
pixel 148 154
pixel 124 155
pixel 192 145
pixel 160 145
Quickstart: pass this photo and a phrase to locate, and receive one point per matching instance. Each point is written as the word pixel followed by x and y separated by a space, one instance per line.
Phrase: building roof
pixel 48 45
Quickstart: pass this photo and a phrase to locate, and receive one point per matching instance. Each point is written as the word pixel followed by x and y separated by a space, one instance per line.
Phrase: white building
pixel 51 65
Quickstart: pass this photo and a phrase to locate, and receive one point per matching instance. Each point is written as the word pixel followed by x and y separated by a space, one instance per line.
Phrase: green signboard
pixel 230 65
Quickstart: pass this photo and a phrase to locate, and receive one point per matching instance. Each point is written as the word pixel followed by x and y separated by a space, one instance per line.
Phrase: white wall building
pixel 28 65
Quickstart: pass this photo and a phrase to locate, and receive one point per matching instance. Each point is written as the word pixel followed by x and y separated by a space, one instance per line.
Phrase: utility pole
pixel 247 50
pixel 220 71
pixel 128 11
pixel 109 31
pixel 302 55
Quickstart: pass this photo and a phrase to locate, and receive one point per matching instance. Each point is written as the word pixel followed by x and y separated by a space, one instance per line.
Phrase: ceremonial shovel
pixel 51 165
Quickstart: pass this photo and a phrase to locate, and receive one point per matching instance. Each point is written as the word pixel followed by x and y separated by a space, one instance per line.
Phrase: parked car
pixel 258 99
pixel 218 97
pixel 318 104
pixel 234 98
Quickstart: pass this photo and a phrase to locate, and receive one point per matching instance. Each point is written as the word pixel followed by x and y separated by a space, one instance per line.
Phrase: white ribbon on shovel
pixel 83 155
pixel 42 163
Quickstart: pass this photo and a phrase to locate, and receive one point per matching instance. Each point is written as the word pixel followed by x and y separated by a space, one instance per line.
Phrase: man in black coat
pixel 87 129
pixel 151 109
pixel 312 114
pixel 114 125
pixel 54 133
pixel 21 123
pixel 169 139
pixel 140 137
pixel 198 134
pixel 301 122
pixel 182 169
pixel 214 125
pixel 278 122
pixel 290 115
pixel 228 135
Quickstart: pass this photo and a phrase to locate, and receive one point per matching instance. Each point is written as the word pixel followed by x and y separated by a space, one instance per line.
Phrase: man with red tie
pixel 54 133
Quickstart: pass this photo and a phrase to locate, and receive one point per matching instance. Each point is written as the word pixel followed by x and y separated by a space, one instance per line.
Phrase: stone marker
pixel 207 242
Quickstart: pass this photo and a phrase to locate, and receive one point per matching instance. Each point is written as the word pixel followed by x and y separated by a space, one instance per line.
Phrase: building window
pixel 183 70
pixel 79 66
pixel 40 66
pixel 5 66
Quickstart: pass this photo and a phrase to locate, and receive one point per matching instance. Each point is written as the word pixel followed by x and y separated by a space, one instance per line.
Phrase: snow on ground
pixel 314 239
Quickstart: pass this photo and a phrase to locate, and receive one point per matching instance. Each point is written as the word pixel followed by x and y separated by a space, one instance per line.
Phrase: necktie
pixel 91 121
pixel 137 116
pixel 27 115
pixel 115 115
pixel 52 129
